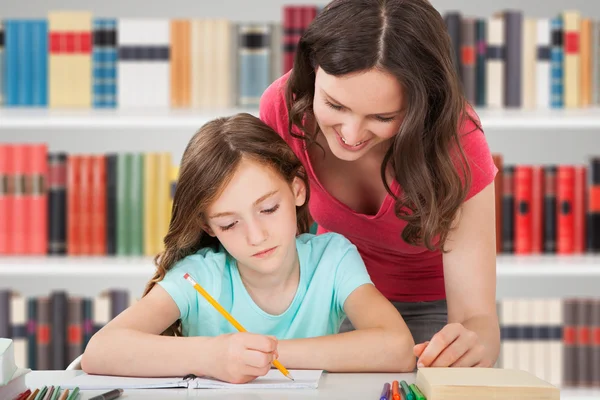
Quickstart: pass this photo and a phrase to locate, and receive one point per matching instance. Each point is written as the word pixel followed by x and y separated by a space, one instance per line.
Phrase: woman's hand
pixel 242 357
pixel 453 346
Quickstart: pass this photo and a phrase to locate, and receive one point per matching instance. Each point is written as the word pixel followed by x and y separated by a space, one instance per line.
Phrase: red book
pixel 498 161
pixel 523 200
pixel 38 198
pixel 85 205
pixel 73 205
pixel 5 198
pixel 580 209
pixel 19 214
pixel 98 208
pixel 537 210
pixel 566 203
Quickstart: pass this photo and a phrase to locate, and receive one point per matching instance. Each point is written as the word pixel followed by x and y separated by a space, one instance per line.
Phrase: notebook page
pixel 274 379
pixel 101 382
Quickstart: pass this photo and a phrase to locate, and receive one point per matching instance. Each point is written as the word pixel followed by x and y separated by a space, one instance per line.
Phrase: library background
pixel 99 99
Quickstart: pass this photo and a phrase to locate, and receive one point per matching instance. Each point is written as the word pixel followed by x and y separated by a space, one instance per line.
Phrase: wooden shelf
pixel 193 119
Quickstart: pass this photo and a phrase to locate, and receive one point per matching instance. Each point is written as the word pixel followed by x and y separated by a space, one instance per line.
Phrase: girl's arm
pixel 381 342
pixel 472 337
pixel 131 345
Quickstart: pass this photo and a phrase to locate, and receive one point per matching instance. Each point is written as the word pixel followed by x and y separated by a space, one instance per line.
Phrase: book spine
pixel 98 206
pixel 19 215
pixel 537 210
pixel 5 313
pixel 557 64
pixel 111 204
pixel 498 194
pixel 43 335
pixel 38 203
pixel 73 204
pixel 593 225
pixel 453 25
pixel 579 209
pixel 32 333
pixel 585 53
pixel 513 39
pixel 11 75
pixel 571 363
pixel 57 203
pixel 2 61
pixel 58 326
pixel 565 200
pixel 550 209
pixel 543 68
pixel 508 209
pixel 254 55
pixel 480 67
pixel 572 66
pixel 467 59
pixel 523 205
pixel 39 52
pixel 528 63
pixel 5 198
pixel 74 328
pixel 584 348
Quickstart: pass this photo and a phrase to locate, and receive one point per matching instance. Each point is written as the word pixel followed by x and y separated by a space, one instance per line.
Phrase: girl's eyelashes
pixel 226 228
pixel 384 119
pixel 233 224
pixel 271 210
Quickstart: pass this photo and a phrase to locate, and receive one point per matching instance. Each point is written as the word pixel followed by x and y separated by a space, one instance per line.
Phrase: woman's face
pixel 357 112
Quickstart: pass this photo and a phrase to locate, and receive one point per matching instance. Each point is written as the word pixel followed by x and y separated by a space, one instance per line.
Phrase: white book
pixel 495 63
pixel 18 312
pixel 274 379
pixel 509 344
pixel 543 75
pixel 528 63
pixel 7 360
pixel 524 348
pixel 555 345
pixel 539 354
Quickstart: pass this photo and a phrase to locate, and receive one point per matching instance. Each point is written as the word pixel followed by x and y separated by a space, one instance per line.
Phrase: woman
pixel 398 164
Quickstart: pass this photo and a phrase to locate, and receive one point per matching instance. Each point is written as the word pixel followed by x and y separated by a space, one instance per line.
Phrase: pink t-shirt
pixel 402 272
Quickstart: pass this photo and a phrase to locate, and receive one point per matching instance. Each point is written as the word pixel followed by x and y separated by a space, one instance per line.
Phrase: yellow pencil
pixel 229 318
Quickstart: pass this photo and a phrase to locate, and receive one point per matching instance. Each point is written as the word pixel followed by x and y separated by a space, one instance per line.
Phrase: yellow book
pixel 70 59
pixel 572 65
pixel 483 384
pixel 172 187
pixel 586 62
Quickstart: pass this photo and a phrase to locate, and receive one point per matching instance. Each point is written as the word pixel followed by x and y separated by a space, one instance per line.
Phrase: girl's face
pixel 254 217
pixel 357 112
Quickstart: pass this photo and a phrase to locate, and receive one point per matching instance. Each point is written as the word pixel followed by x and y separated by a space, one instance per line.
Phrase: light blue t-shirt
pixel 330 269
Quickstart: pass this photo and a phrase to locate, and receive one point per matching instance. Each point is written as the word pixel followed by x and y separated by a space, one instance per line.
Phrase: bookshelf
pixel 133 119
pixel 517 276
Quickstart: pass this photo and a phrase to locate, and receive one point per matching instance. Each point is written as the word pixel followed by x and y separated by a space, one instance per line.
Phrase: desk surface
pixel 331 386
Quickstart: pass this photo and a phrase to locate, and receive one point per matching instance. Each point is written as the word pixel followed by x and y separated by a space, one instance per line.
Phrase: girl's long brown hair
pixel 408 39
pixel 208 164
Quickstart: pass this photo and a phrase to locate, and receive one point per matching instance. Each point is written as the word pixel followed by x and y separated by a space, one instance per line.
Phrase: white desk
pixel 331 387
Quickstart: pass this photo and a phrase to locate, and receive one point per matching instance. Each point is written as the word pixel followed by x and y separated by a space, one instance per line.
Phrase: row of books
pixel 547 208
pixel 517 61
pixel 51 331
pixel 82 204
pixel 120 204
pixel 555 339
pixel 71 59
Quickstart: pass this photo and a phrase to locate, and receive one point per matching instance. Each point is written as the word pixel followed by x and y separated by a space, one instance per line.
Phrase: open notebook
pixel 304 379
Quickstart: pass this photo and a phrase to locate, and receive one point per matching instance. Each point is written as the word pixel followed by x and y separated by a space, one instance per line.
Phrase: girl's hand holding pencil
pixel 243 356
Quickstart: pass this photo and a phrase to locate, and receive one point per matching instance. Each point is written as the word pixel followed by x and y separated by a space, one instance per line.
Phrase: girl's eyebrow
pixel 348 108
pixel 260 200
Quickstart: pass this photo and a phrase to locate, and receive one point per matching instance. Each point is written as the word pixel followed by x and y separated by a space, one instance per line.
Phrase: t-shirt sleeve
pixel 350 274
pixel 478 155
pixel 180 290
pixel 269 104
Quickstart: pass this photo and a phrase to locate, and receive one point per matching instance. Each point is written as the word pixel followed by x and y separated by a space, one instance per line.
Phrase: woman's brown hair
pixel 209 161
pixel 408 39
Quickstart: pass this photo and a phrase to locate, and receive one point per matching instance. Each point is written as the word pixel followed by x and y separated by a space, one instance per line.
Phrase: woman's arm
pixel 472 336
pixel 380 343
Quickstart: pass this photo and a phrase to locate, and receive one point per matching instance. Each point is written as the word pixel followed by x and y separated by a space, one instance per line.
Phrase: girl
pixel 240 202
pixel 399 165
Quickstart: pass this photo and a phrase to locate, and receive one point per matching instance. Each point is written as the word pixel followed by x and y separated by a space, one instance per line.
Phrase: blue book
pixel 39 63
pixel 557 53
pixel 104 58
pixel 1 63
pixel 254 56
pixel 11 48
pixel 25 41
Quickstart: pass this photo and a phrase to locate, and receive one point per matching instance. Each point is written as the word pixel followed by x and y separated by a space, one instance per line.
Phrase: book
pixel 482 384
pixel 303 379
pixel 16 385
